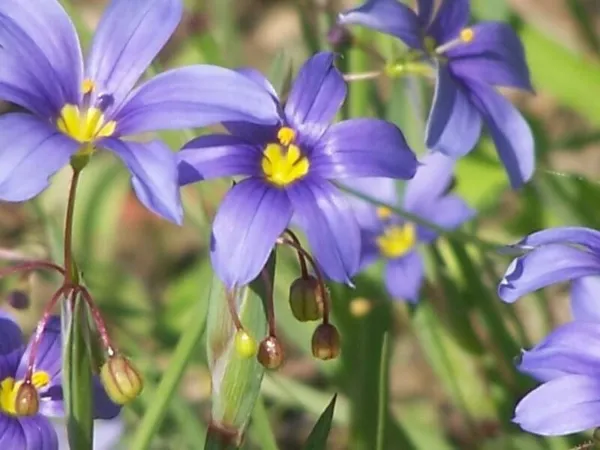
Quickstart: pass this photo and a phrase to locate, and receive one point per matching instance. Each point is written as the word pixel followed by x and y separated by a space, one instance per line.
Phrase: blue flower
pixel 553 256
pixel 470 61
pixel 36 432
pixel 74 109
pixel 288 170
pixel 567 363
pixel 389 237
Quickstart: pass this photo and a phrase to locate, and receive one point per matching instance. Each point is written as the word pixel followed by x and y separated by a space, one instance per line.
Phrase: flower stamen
pixel 466 36
pixel 282 166
pixel 84 126
pixel 397 240
pixel 286 136
pixel 87 86
pixel 9 388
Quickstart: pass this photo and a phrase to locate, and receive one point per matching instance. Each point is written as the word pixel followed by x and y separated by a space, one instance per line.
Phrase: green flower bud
pixel 270 353
pixel 306 301
pixel 326 342
pixel 121 380
pixel 245 345
pixel 27 400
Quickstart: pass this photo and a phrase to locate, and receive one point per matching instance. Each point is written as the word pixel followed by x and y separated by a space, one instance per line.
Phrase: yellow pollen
pixel 286 136
pixel 87 86
pixel 9 389
pixel 384 213
pixel 467 35
pixel 283 166
pixel 397 240
pixel 84 126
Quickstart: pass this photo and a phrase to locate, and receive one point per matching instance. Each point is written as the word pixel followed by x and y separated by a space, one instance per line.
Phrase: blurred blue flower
pixel 108 434
pixel 567 362
pixel 469 61
pixel 36 432
pixel 76 109
pixel 288 168
pixel 553 256
pixel 387 236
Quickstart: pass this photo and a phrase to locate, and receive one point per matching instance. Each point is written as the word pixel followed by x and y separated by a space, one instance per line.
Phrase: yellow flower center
pixel 384 213
pixel 467 35
pixel 9 389
pixel 283 163
pixel 397 240
pixel 84 126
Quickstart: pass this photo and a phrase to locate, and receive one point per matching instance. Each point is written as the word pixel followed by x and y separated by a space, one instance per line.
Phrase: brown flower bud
pixel 121 380
pixel 326 342
pixel 27 400
pixel 306 299
pixel 270 353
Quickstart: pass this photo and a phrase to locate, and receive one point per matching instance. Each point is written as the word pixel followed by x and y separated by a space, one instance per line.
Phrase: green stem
pixel 164 393
pixel 71 275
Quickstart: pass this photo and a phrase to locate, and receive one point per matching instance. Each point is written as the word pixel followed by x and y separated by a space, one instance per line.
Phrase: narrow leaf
pixel 317 440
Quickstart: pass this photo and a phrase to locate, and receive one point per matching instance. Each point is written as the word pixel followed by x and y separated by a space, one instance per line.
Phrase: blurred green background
pixel 446 379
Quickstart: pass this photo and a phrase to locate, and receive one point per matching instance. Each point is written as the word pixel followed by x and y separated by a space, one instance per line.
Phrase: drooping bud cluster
pixel 306 299
pixel 121 380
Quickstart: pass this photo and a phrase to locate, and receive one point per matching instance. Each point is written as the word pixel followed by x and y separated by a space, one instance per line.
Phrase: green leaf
pixel 260 430
pixel 317 440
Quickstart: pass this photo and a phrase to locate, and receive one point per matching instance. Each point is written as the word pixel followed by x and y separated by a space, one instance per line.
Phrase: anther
pixel 286 135
pixel 467 35
pixel 87 86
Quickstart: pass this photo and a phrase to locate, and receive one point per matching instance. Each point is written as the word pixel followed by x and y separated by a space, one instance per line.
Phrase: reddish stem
pixel 30 266
pixel 301 260
pixel 98 320
pixel 233 311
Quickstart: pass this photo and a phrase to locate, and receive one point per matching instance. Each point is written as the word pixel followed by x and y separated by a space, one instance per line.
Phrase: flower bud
pixel 326 342
pixel 121 380
pixel 245 345
pixel 18 299
pixel 339 37
pixel 27 400
pixel 270 353
pixel 306 300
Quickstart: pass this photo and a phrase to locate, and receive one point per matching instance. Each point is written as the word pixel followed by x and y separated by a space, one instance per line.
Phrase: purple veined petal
pixel 544 266
pixel 382 189
pixel 565 405
pixel 369 252
pixel 195 96
pixel 448 212
pixel 586 237
pixel 258 78
pixel 425 11
pixel 9 363
pixel 363 148
pixel 404 277
pixel 38 432
pixel 48 355
pixel 251 217
pixel 153 168
pixel 333 234
pixel 562 353
pixel 387 16
pixel 316 96
pixel 129 36
pixel 510 132
pixel 495 56
pixel 11 337
pixel 452 16
pixel 37 151
pixel 50 28
pixel 585 299
pixel 454 124
pixel 217 155
pixel 432 179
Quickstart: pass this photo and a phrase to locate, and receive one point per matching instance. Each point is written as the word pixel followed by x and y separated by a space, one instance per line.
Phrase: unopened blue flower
pixel 36 432
pixel 288 170
pixel 553 256
pixel 567 362
pixel 470 61
pixel 76 108
pixel 391 238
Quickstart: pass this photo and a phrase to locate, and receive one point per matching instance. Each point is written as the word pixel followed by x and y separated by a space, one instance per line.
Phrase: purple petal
pixel 561 406
pixel 425 11
pixel 259 79
pixel 27 433
pixel 330 226
pixel 404 277
pixel 382 189
pixel 217 155
pixel 495 56
pixel 48 354
pixel 452 16
pixel 448 212
pixel 316 96
pixel 104 408
pixel 363 148
pixel 562 353
pixel 585 299
pixel 433 177
pixel 387 16
pixel 107 433
pixel 153 168
pixel 510 132
pixel 195 96
pixel 11 337
pixel 9 363
pixel 129 36
pixel 37 150
pixel 369 252
pixel 454 124
pixel 585 237
pixel 251 217
pixel 544 266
